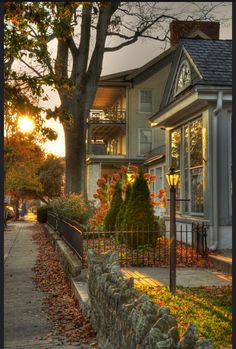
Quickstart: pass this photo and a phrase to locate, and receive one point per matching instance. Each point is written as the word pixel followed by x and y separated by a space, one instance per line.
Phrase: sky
pixel 129 57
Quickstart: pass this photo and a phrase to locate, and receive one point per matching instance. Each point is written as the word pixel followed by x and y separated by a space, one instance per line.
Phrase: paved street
pixel 24 316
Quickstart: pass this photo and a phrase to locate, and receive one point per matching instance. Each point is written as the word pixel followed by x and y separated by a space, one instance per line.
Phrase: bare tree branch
pixel 140 33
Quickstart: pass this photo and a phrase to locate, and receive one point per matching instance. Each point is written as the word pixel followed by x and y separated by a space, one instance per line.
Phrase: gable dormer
pixel 183 75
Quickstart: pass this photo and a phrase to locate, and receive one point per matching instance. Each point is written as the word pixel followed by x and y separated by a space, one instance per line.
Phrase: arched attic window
pixel 183 79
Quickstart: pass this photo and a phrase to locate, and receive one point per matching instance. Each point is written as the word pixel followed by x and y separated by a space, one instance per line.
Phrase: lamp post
pixel 173 179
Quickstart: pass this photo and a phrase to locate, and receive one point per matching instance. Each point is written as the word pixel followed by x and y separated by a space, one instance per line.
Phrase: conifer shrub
pixel 116 202
pixel 139 216
pixel 121 214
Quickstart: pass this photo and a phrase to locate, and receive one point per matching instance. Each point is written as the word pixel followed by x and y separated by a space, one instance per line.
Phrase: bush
pixel 139 215
pixel 121 214
pixel 72 206
pixel 116 202
pixel 42 214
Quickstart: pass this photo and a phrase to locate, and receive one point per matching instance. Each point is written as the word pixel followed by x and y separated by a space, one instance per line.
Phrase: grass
pixel 209 308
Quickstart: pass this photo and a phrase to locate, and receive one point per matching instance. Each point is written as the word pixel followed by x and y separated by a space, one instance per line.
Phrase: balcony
pixel 107 116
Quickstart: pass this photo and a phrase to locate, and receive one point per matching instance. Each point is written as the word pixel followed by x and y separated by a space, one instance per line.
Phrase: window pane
pixel 158 179
pixel 186 197
pixel 177 205
pixel 145 137
pixel 196 143
pixel 145 148
pixel 145 101
pixel 175 149
pixel 186 136
pixel 153 183
pixel 196 190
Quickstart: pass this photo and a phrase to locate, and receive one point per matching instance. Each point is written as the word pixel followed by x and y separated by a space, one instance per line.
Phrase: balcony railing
pixel 107 116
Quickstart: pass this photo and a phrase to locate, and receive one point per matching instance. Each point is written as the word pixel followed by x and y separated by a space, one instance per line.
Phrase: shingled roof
pixel 213 58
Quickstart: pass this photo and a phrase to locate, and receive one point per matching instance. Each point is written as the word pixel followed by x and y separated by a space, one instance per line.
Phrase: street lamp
pixel 172 179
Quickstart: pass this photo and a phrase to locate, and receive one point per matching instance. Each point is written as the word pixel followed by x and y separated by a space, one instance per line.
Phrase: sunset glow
pixel 25 124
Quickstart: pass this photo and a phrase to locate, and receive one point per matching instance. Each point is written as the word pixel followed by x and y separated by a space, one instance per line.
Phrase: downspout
pixel 216 111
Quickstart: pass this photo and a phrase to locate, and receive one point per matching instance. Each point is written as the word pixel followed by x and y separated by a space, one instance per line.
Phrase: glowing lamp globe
pixel 172 178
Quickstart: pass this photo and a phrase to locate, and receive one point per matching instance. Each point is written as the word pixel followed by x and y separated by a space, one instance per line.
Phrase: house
pixel 118 130
pixel 175 111
pixel 196 113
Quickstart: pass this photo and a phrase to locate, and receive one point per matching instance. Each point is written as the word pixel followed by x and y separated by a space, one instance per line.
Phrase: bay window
pixel 187 159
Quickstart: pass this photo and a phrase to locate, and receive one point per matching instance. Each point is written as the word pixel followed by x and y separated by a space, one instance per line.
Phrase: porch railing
pixel 107 116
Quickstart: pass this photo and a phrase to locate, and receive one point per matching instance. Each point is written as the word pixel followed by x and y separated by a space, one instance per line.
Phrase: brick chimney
pixel 181 29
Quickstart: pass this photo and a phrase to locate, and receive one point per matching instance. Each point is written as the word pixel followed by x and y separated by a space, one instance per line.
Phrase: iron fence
pixel 70 231
pixel 140 246
pixel 150 247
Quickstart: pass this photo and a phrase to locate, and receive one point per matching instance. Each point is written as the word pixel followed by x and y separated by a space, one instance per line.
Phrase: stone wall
pixel 124 319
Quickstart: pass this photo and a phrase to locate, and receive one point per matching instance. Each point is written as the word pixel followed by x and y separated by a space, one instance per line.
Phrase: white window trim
pixel 139 101
pixel 139 136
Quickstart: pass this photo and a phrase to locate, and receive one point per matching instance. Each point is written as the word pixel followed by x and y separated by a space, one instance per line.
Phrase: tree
pixel 139 214
pixel 51 176
pixel 22 159
pixel 116 202
pixel 81 30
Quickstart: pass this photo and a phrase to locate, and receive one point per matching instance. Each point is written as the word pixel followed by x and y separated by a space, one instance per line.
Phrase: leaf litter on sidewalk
pixel 68 319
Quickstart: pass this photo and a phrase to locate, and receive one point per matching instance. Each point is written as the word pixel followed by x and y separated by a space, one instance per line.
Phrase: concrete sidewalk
pixel 25 319
pixel 188 277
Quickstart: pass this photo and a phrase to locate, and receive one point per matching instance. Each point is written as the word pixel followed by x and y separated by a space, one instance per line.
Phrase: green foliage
pixel 121 214
pixel 139 215
pixel 51 176
pixel 72 206
pixel 209 308
pixel 116 202
pixel 42 214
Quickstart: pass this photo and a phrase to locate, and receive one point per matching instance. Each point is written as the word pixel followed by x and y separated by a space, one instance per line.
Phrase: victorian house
pixel 175 111
pixel 196 113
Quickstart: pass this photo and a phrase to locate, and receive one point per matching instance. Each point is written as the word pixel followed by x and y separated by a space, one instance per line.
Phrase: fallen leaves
pixel 60 302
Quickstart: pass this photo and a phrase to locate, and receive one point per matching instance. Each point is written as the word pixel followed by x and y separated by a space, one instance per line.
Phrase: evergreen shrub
pixel 116 202
pixel 139 216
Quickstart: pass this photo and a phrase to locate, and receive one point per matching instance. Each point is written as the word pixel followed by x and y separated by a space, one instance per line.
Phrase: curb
pixel 69 260
pixel 72 267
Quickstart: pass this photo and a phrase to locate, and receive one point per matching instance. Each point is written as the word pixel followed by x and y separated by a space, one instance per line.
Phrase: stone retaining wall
pixel 124 319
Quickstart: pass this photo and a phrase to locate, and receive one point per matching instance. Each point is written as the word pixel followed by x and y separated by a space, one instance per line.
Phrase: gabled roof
pixel 131 75
pixel 210 59
pixel 213 58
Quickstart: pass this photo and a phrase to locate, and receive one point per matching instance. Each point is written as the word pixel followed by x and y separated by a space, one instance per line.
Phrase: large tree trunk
pixel 75 151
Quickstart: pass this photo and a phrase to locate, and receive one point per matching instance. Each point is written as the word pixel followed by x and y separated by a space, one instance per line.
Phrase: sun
pixel 25 124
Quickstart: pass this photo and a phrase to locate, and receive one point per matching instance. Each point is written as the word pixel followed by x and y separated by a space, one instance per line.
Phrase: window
pixel 145 101
pixel 187 158
pixel 183 77
pixel 145 141
pixel 157 185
